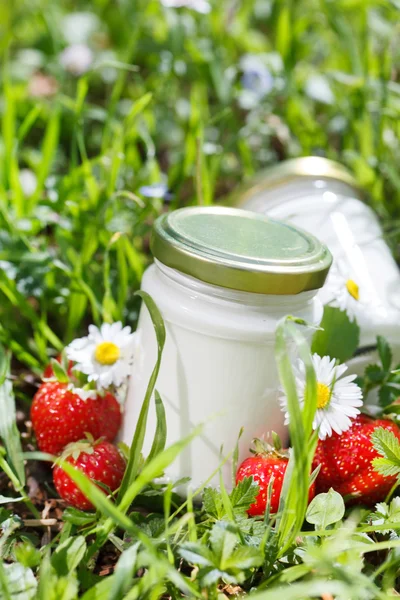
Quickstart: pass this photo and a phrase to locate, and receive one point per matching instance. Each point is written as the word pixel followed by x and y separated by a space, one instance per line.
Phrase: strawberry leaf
pixel 374 374
pixel 78 517
pixel 212 503
pixel 243 495
pixel 17 581
pixel 385 396
pixel 385 353
pixel 386 444
pixel 385 467
pixel 68 555
pixel 124 572
pixel 325 509
pixel 59 372
pixel 338 336
pixel 223 542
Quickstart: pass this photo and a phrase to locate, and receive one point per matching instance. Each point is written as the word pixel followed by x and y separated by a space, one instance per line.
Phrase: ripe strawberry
pixel 262 466
pixel 59 416
pixel 346 462
pixel 100 461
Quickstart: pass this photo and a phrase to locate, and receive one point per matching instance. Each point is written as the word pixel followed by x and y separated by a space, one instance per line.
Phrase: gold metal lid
pixel 289 170
pixel 240 250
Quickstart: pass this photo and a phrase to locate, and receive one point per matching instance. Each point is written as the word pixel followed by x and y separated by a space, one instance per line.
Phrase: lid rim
pixel 264 275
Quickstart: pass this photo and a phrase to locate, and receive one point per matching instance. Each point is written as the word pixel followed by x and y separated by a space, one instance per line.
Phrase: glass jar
pixel 222 279
pixel 322 197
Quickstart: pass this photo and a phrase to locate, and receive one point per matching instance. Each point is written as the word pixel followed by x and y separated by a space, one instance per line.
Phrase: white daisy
pixel 345 292
pixel 28 181
pixel 337 399
pixel 105 355
pixel 77 59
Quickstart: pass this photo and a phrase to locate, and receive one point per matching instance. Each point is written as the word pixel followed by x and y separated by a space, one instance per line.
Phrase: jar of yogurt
pixel 222 279
pixel 322 197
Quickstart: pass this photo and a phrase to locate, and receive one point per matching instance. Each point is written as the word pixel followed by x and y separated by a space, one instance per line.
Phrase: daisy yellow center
pixel 323 395
pixel 353 289
pixel 107 353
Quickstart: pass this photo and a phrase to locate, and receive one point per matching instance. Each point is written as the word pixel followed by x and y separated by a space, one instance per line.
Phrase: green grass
pixel 165 102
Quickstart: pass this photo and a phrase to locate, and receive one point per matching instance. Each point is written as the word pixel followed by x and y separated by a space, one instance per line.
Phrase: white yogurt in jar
pixel 322 197
pixel 222 279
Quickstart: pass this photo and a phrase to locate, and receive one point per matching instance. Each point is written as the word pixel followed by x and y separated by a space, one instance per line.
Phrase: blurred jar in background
pixel 322 197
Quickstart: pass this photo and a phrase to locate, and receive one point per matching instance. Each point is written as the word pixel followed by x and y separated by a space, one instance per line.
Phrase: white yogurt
pixel 218 365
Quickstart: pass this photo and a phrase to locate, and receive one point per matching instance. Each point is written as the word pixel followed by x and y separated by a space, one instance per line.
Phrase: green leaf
pixel 100 591
pixel 124 572
pixel 213 503
pixel 138 438
pixel 8 499
pixel 244 558
pixel 385 395
pixel 196 554
pixel 385 467
pixel 59 371
pixel 243 495
pixel 27 554
pixel 137 108
pixel 338 337
pixel 223 542
pixel 374 373
pixel 386 444
pixel 325 509
pixel 160 437
pixel 78 517
pixel 68 555
pixel 17 582
pixel 385 353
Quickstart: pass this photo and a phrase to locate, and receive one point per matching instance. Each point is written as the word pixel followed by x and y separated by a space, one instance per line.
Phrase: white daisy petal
pixel 339 398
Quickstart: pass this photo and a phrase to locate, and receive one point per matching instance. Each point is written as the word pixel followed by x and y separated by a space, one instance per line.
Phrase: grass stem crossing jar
pixel 322 197
pixel 222 279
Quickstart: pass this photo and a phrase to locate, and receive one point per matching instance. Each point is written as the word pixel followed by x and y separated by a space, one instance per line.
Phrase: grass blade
pixel 138 439
pixel 294 497
pixel 160 436
pixel 8 426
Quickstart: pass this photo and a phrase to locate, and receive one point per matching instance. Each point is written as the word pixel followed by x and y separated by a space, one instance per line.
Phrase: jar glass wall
pixel 222 280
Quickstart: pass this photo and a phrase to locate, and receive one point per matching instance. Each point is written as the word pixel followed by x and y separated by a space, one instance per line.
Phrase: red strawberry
pixel 60 417
pixel 262 466
pixel 346 462
pixel 100 461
